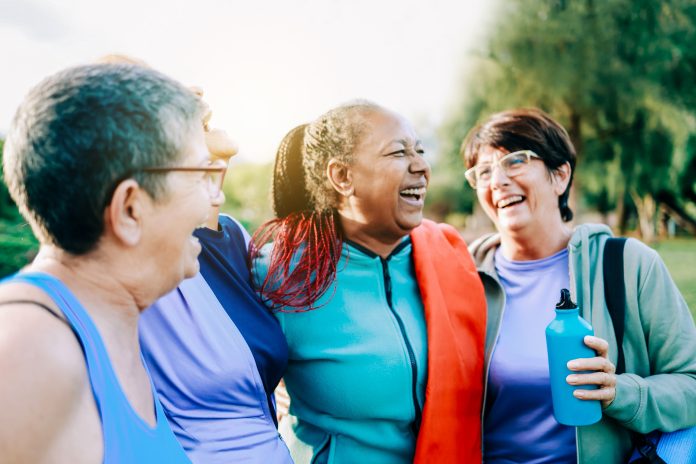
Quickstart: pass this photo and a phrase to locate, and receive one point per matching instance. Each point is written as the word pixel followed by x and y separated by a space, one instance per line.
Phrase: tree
pixel 618 74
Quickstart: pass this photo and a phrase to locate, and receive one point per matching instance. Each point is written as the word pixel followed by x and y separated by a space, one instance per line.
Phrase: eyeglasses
pixel 214 173
pixel 512 164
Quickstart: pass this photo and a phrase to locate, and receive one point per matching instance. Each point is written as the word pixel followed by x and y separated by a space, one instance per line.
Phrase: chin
pixel 408 224
pixel 512 224
pixel 192 270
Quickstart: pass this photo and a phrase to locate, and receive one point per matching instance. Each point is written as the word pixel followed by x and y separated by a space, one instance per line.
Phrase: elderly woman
pixel 215 352
pixel 521 164
pixel 108 164
pixel 383 312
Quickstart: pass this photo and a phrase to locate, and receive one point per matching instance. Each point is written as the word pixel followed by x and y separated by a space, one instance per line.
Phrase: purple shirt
pixel 216 354
pixel 519 425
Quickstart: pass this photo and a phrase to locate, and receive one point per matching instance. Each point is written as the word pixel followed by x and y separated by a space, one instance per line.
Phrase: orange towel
pixel 455 313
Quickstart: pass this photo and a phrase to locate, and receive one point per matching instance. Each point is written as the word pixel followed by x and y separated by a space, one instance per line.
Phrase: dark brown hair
pixel 525 129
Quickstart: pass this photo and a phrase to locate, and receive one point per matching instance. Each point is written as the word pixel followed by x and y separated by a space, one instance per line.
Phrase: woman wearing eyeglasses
pixel 521 163
pixel 215 352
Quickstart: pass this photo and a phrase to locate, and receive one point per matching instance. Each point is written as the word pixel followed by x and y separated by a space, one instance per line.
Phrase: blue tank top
pixel 127 438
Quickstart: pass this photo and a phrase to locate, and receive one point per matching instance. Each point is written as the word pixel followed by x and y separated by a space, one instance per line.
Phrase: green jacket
pixel 358 363
pixel 658 390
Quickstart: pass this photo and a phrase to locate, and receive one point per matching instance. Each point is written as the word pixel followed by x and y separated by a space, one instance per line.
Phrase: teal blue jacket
pixel 658 390
pixel 357 364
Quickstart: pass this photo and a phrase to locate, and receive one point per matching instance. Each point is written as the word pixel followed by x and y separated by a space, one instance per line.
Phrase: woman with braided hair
pixel 383 311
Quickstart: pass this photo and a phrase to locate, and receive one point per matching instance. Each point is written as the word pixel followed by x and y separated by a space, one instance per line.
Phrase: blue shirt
pixel 216 354
pixel 358 362
pixel 127 437
pixel 519 425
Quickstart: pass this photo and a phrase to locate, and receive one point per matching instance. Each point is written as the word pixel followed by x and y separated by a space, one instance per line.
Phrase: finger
pixel 591 364
pixel 220 145
pixel 197 91
pixel 602 379
pixel 602 394
pixel 600 345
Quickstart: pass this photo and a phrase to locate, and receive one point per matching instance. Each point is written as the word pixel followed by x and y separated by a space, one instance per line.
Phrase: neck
pixel 380 244
pixel 98 287
pixel 527 245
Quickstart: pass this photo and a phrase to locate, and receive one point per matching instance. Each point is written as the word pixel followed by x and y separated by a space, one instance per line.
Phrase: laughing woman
pixel 521 164
pixel 383 312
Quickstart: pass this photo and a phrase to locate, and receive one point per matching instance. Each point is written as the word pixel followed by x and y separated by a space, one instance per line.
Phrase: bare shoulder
pixel 43 373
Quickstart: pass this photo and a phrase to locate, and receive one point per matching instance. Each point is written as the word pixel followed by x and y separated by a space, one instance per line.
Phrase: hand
pixel 221 148
pixel 603 376
pixel 282 400
pixel 220 145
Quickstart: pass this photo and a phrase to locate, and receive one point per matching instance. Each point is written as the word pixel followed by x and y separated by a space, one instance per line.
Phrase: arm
pixel 221 147
pixel 43 385
pixel 661 394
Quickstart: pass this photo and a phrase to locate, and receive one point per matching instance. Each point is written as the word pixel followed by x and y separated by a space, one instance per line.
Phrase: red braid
pixel 317 236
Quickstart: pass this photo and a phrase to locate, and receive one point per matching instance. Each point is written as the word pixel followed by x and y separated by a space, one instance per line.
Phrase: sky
pixel 265 65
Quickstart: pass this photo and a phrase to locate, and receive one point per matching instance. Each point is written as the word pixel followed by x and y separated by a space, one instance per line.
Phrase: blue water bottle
pixel 564 342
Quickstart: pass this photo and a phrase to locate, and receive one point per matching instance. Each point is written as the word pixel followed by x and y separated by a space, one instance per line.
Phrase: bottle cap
pixel 566 302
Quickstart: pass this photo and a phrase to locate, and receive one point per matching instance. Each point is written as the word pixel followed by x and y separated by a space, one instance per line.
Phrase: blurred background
pixel 619 74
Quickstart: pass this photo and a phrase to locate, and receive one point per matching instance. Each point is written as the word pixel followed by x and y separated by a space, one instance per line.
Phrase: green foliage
pixel 17 242
pixel 247 191
pixel 7 206
pixel 618 74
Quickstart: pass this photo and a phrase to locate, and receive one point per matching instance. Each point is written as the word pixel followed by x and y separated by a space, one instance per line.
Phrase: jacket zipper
pixel 411 356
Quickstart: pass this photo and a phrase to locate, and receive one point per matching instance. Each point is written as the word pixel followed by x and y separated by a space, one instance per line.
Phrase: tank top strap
pixel 127 438
pixel 101 375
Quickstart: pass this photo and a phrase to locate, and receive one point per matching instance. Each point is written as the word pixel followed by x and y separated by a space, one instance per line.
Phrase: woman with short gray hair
pixel 108 163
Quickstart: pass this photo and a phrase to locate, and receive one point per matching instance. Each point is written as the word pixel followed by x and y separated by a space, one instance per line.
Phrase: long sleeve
pixel 660 394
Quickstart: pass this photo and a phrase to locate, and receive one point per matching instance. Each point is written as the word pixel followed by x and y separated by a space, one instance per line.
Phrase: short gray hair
pixel 80 132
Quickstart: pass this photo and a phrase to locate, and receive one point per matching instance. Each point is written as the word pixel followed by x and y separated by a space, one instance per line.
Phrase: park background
pixel 619 74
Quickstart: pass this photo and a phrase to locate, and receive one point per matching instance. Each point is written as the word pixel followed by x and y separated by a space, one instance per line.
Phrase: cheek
pixel 484 198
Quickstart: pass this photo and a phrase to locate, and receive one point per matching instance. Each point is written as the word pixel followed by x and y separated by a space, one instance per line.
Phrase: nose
pixel 498 177
pixel 419 165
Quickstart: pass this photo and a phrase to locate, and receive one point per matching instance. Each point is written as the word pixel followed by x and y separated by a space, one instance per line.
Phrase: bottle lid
pixel 566 302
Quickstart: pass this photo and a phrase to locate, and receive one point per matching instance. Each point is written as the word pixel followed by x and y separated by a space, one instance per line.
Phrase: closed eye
pixel 401 152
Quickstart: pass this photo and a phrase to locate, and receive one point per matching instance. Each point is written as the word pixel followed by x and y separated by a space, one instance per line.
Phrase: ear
pixel 341 177
pixel 124 215
pixel 561 178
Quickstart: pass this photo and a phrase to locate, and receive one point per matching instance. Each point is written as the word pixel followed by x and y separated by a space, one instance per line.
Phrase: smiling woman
pixel 114 237
pixel 521 164
pixel 383 311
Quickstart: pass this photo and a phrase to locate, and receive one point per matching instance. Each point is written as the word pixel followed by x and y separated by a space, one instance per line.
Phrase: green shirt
pixel 357 365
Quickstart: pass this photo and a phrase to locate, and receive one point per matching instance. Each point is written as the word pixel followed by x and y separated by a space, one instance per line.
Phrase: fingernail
pixel 572 364
pixel 579 394
pixel 571 379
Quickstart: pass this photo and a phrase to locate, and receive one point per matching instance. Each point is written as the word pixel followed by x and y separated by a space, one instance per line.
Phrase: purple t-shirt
pixel 519 425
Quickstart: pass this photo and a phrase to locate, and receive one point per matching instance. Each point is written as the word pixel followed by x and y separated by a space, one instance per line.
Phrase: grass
pixel 680 257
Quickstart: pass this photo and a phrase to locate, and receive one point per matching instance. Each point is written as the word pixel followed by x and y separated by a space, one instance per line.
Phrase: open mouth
pixel 415 194
pixel 510 201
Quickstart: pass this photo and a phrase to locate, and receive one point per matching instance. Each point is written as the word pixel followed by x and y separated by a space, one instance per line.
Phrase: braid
pixel 318 240
pixel 306 233
pixel 289 191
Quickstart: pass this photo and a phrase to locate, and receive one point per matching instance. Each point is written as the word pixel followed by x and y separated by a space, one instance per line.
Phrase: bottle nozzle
pixel 566 302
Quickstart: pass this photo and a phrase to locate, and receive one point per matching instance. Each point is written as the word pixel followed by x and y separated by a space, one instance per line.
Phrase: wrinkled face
pixel 528 200
pixel 183 208
pixel 389 176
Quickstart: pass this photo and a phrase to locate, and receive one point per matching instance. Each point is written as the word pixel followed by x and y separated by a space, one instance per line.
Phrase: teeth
pixel 507 201
pixel 413 191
